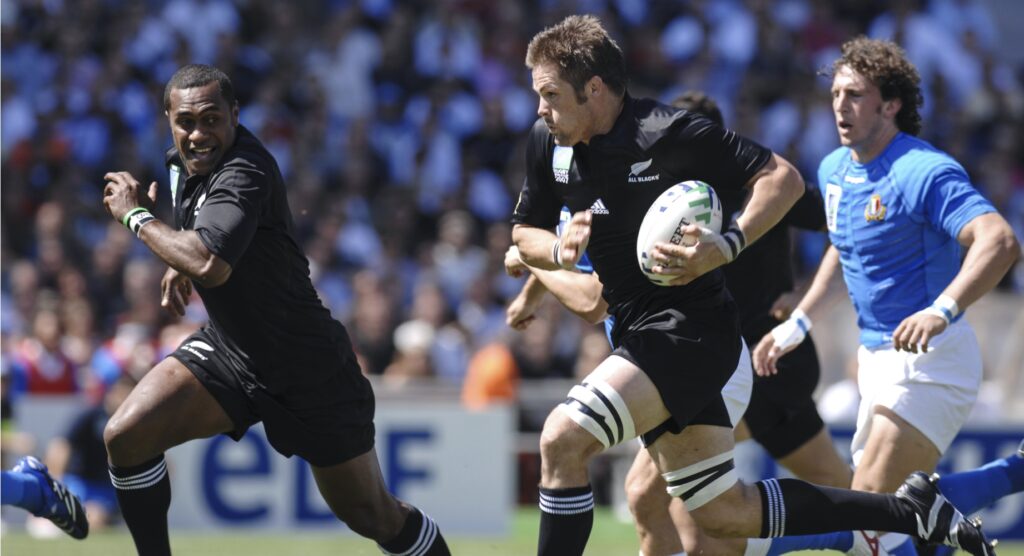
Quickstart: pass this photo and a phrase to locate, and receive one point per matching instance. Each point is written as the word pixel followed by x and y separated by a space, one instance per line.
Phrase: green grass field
pixel 609 538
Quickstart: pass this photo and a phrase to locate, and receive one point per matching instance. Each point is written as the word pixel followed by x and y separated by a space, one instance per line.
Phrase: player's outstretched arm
pixel 786 336
pixel 578 291
pixel 181 250
pixel 992 249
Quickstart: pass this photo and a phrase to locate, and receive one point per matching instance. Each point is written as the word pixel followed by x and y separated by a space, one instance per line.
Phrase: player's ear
pixel 593 86
pixel 892 107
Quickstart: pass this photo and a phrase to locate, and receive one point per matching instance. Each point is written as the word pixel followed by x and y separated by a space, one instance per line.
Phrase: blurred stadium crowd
pixel 399 126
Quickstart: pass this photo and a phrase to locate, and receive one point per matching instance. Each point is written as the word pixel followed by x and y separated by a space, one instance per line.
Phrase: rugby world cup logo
pixel 875 210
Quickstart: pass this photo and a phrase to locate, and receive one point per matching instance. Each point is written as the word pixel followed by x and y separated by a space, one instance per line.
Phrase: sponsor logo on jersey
pixel 832 195
pixel 174 172
pixel 598 207
pixel 194 346
pixel 636 169
pixel 875 210
pixel 561 160
pixel 199 204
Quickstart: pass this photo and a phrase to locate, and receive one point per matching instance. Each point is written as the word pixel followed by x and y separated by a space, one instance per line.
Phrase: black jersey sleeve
pixel 538 204
pixel 706 151
pixel 809 211
pixel 229 217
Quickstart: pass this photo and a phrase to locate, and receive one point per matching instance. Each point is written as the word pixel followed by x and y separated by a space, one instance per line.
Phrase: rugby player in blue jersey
pixel 901 215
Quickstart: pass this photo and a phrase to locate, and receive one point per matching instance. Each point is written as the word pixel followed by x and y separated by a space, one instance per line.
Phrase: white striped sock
pixel 145 479
pixel 567 505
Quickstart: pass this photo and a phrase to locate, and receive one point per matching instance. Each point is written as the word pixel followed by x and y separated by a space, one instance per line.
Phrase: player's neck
pixel 869 150
pixel 606 116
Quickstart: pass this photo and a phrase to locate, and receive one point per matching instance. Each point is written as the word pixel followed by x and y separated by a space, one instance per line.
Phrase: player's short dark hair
pixel 197 75
pixel 581 48
pixel 886 65
pixel 699 102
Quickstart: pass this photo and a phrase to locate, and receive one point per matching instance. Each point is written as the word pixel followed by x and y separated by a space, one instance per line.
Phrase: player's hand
pixel 916 330
pixel 175 291
pixel 688 262
pixel 575 238
pixel 514 265
pixel 784 305
pixel 521 312
pixel 781 340
pixel 123 193
pixel 766 355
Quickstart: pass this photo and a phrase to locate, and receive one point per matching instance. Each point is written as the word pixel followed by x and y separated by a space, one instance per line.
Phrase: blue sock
pixel 23 490
pixel 973 490
pixel 841 541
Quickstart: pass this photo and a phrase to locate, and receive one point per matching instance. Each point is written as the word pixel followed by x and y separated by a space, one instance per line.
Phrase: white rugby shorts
pixel 933 391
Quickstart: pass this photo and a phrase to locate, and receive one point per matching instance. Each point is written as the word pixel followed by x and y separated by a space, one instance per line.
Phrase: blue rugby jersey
pixel 895 222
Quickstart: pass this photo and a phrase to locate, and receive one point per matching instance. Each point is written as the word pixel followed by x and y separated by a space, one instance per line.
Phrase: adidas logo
pixel 598 207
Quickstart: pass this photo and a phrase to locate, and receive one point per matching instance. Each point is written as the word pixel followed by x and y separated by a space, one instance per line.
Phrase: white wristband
pixel 731 243
pixel 944 307
pixel 793 331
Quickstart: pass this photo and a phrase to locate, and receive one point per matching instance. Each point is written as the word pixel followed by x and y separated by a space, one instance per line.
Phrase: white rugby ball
pixel 688 202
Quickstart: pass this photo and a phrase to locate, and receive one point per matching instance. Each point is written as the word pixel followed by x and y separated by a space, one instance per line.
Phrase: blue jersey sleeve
pixel 950 201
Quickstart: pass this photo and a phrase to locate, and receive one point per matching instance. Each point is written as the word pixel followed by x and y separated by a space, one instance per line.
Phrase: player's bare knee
pixel 645 494
pixel 119 438
pixel 561 442
pixel 593 417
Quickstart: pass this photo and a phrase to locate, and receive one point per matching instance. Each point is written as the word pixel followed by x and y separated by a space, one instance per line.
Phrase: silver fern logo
pixel 640 167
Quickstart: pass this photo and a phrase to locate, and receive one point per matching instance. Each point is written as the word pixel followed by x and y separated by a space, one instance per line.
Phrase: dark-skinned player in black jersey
pixel 271 351
pixel 676 347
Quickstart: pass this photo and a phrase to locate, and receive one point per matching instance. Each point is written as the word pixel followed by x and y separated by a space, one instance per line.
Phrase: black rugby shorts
pixel 326 422
pixel 689 357
pixel 782 415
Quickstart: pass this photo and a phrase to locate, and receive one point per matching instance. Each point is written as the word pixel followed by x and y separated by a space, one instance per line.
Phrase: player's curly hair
pixel 581 48
pixel 197 75
pixel 886 65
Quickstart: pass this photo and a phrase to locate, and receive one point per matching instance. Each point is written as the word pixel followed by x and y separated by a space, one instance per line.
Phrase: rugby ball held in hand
pixel 685 203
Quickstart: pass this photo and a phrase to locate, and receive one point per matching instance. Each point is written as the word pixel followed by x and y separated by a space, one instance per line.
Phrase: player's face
pixel 203 126
pixel 864 120
pixel 566 117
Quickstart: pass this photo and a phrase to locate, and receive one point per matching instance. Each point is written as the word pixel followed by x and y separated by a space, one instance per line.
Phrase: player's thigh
pixel 817 461
pixel 622 398
pixel 894 449
pixel 167 407
pixel 355 491
pixel 722 505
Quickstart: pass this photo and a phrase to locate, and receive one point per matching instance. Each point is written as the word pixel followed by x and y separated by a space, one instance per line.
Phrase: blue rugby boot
pixel 60 506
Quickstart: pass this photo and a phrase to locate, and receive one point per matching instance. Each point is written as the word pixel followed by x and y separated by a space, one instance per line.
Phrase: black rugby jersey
pixel 764 270
pixel 267 314
pixel 617 176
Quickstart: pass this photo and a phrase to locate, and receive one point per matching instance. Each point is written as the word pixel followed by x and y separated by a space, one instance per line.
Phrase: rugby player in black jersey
pixel 271 351
pixel 607 156
pixel 781 415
